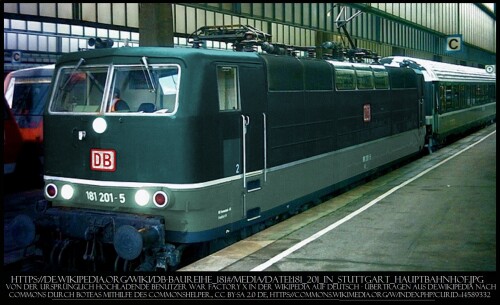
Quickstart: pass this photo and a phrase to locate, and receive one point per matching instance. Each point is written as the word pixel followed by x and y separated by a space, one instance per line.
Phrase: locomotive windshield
pixel 120 89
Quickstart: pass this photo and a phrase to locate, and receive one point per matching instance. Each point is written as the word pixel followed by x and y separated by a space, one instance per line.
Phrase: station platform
pixel 437 213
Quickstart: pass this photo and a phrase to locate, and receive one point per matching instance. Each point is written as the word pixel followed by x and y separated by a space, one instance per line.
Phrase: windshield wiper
pixel 81 62
pixel 146 65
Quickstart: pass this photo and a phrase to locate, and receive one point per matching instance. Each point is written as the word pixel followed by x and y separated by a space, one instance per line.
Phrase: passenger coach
pixel 457 98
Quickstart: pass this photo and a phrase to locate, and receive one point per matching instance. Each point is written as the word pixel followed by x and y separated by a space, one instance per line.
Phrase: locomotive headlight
pixel 51 190
pixel 142 197
pixel 67 191
pixel 99 125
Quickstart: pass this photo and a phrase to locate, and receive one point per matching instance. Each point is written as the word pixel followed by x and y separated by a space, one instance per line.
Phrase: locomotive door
pixel 253 137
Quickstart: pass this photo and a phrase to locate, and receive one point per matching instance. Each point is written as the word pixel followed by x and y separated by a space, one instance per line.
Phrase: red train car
pixel 11 140
pixel 25 92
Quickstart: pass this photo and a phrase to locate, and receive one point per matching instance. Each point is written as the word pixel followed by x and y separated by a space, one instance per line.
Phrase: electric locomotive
pixel 457 98
pixel 207 145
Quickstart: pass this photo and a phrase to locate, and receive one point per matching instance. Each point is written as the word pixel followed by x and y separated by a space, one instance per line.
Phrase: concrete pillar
pixel 156 26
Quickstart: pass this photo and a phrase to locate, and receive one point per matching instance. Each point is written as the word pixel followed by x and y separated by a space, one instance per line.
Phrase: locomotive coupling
pixel 129 242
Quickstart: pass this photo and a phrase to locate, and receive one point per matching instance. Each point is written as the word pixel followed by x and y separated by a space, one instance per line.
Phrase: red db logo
pixel 103 160
pixel 367 113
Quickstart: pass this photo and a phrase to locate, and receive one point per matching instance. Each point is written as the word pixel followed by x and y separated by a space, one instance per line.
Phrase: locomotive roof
pixel 152 52
pixel 439 71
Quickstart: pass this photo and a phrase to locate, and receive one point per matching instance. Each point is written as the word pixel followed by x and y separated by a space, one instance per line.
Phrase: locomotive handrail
pixel 244 131
pixel 265 146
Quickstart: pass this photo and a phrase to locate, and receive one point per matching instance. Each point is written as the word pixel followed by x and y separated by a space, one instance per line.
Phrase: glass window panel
pixel 63 28
pixel 64 45
pixel 219 19
pixel 257 9
pixel 28 8
pixel 32 42
pixel 102 33
pixel 286 34
pixel 82 44
pixel 124 35
pixel 227 19
pixel 73 45
pixel 22 42
pixel 34 26
pixel 278 11
pixel 49 27
pixel 133 15
pixel 314 15
pixel 10 8
pixel 274 32
pixel 321 16
pixel 288 12
pixel 227 84
pixel 53 44
pixel 190 21
pixel 227 6
pixel 237 20
pixel 65 10
pixel 103 15
pixel 114 34
pixel 246 8
pixel 306 15
pixel 210 18
pixel 89 12
pixel 42 43
pixel 298 13
pixel 90 31
pixel 200 18
pixel 179 24
pixel 119 14
pixel 79 91
pixel 77 30
pixel 280 33
pixel 18 24
pixel 11 41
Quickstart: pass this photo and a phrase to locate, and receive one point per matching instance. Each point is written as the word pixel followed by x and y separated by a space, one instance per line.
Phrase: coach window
pixel 364 79
pixel 442 99
pixel 461 96
pixel 227 85
pixel 345 79
pixel 482 94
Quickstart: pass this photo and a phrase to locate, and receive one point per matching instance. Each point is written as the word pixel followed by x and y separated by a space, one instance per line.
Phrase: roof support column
pixel 156 28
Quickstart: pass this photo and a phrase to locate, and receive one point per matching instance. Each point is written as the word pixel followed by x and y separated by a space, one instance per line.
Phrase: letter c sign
pixel 454 43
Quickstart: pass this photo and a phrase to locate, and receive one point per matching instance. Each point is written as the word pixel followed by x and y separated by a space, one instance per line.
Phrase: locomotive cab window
pixel 143 90
pixel 132 89
pixel 79 90
pixel 227 86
